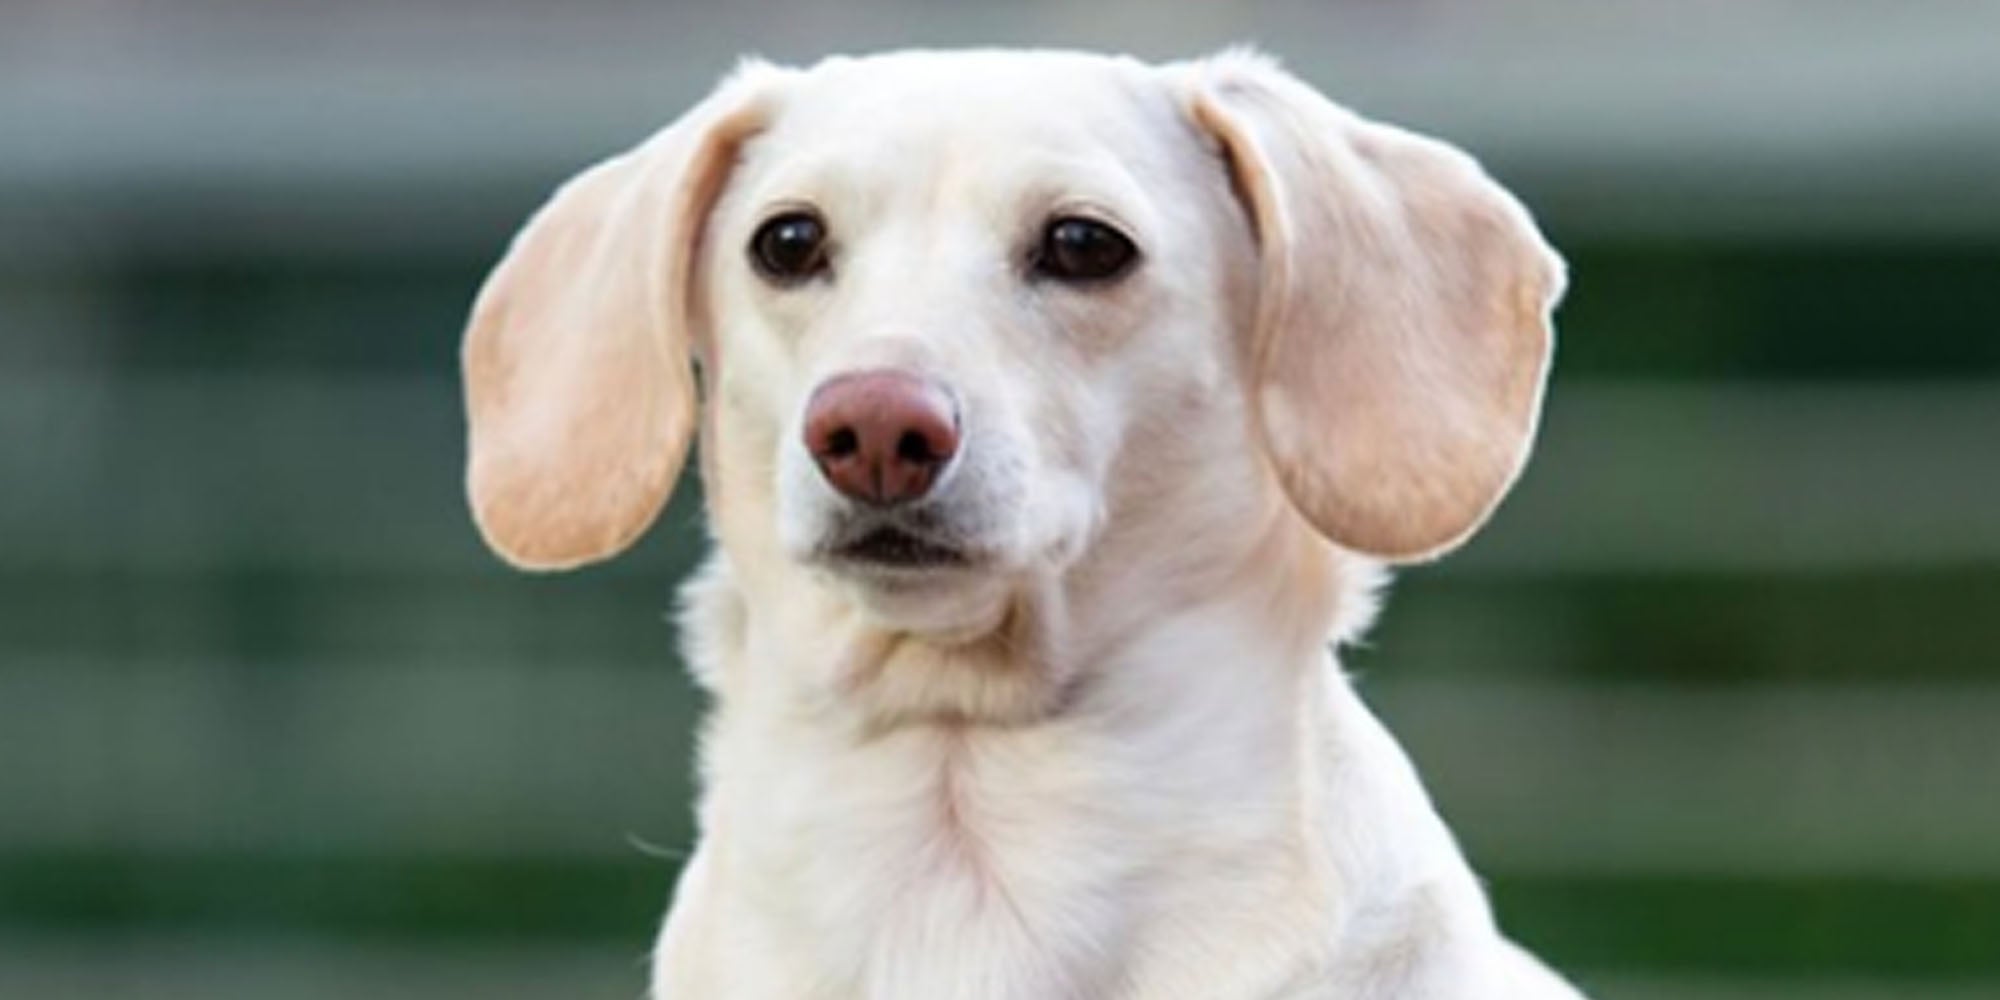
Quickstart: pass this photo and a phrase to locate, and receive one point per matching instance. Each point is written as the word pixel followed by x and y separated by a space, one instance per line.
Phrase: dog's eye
pixel 790 248
pixel 1076 249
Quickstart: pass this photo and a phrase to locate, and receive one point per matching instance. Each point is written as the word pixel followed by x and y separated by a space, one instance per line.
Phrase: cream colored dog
pixel 1057 414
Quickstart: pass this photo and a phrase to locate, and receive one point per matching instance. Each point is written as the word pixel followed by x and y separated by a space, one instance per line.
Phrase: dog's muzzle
pixel 884 440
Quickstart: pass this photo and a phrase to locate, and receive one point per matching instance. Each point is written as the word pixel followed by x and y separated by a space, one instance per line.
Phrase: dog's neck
pixel 951 782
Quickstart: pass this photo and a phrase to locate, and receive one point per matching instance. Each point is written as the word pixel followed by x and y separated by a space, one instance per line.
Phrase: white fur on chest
pixel 1214 816
pixel 934 862
pixel 1119 850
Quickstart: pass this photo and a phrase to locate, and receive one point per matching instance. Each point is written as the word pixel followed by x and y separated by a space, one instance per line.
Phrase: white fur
pixel 1116 759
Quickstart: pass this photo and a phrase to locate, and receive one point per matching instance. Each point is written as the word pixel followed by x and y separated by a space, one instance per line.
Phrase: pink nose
pixel 881 436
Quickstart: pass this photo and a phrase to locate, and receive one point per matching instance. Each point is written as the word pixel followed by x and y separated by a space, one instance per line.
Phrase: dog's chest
pixel 931 864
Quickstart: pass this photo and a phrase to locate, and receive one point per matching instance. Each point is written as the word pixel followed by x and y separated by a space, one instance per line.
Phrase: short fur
pixel 1114 756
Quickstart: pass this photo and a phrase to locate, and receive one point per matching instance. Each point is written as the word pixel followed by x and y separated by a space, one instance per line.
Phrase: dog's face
pixel 933 320
pixel 961 317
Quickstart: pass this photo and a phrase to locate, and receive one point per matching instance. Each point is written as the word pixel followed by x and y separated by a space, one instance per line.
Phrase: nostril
pixel 916 449
pixel 841 443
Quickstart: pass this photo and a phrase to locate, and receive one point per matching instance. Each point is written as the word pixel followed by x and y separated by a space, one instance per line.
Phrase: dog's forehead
pixel 914 103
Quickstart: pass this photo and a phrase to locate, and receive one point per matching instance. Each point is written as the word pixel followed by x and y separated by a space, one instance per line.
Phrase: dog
pixel 1059 416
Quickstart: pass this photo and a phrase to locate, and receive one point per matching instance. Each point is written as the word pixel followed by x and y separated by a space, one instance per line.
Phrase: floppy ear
pixel 1403 329
pixel 579 396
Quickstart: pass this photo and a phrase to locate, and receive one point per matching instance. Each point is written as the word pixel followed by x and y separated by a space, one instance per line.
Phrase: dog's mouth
pixel 888 547
pixel 916 571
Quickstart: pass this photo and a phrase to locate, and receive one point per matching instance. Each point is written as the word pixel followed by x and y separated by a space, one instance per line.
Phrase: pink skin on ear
pixel 580 401
pixel 1403 334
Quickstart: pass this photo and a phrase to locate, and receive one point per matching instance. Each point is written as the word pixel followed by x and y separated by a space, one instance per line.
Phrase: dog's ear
pixel 580 399
pixel 1403 329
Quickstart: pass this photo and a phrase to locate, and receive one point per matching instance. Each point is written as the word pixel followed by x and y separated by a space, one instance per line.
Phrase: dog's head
pixel 960 319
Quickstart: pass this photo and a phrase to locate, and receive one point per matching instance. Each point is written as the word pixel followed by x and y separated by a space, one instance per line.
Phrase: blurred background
pixel 1714 703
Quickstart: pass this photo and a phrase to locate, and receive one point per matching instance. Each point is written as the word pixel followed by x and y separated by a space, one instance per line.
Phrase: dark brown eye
pixel 1081 250
pixel 790 248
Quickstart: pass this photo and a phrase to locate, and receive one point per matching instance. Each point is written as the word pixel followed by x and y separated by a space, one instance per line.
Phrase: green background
pixel 1714 704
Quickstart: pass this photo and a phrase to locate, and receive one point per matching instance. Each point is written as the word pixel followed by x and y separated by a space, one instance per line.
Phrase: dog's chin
pixel 949 612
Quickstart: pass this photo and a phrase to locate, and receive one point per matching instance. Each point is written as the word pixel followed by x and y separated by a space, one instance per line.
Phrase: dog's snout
pixel 881 437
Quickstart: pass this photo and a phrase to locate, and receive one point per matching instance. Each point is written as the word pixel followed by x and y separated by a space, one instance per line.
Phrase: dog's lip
pixel 896 548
